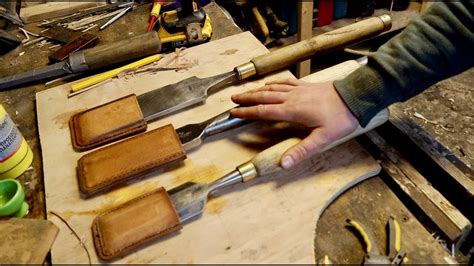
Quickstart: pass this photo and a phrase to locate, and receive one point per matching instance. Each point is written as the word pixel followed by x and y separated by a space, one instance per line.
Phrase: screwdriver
pixel 155 12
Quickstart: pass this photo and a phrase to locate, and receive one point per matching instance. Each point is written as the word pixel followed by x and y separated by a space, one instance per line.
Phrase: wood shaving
pixel 175 61
pixel 420 116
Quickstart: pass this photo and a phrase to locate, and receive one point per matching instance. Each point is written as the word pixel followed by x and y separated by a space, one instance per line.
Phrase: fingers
pixel 314 143
pixel 274 87
pixel 273 112
pixel 259 97
pixel 291 82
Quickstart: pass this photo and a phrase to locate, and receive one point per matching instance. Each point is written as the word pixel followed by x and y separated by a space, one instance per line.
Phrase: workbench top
pixel 20 104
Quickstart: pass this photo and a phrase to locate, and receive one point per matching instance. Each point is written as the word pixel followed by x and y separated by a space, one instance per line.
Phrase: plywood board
pixel 26 241
pixel 267 220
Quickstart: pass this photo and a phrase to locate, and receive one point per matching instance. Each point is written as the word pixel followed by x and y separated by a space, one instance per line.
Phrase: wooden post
pixel 305 31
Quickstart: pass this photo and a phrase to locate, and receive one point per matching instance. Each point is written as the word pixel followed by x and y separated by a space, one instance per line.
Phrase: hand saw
pixel 160 102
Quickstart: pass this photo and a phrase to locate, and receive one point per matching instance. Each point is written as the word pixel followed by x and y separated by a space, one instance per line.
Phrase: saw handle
pixel 321 44
pixel 268 161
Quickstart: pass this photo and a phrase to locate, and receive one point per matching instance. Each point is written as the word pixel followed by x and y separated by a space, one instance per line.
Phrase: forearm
pixel 433 47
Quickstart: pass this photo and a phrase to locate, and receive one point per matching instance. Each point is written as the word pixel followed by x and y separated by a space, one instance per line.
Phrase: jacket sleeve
pixel 433 47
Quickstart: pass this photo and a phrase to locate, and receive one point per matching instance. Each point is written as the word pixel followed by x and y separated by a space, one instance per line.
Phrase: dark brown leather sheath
pixel 120 230
pixel 128 159
pixel 106 123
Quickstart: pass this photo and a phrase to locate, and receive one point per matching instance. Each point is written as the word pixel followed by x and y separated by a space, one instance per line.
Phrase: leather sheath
pixel 128 159
pixel 106 123
pixel 120 230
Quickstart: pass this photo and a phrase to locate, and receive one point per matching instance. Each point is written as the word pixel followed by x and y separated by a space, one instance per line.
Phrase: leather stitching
pixel 74 126
pixel 132 172
pixel 115 252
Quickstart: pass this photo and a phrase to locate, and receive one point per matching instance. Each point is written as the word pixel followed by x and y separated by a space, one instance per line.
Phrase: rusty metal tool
pixel 175 97
pixel 190 199
pixel 90 59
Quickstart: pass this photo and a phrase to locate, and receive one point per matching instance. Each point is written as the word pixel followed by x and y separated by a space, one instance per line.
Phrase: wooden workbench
pixel 20 105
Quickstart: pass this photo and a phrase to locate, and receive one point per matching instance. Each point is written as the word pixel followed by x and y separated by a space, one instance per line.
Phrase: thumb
pixel 312 144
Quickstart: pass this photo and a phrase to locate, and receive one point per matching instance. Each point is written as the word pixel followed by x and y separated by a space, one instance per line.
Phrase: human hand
pixel 317 106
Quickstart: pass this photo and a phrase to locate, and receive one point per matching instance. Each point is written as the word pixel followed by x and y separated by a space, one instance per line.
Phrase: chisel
pixel 163 213
pixel 109 166
pixel 163 101
pixel 90 59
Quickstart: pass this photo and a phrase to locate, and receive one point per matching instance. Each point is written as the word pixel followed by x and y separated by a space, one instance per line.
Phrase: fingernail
pixel 287 162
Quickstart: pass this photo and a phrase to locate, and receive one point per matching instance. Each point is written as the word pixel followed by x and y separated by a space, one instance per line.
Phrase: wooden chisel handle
pixel 268 161
pixel 321 44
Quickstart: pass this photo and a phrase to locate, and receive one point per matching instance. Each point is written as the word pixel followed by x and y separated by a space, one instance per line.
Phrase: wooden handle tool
pixel 326 42
pixel 189 200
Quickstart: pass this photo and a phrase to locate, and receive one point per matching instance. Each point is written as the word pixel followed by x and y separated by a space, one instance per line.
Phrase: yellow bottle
pixel 15 154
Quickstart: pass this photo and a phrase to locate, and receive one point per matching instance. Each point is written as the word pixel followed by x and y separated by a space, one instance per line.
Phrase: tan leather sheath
pixel 122 229
pixel 128 159
pixel 106 123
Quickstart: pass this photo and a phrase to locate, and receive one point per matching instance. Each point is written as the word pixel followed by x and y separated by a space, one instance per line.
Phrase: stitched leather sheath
pixel 128 159
pixel 118 231
pixel 106 123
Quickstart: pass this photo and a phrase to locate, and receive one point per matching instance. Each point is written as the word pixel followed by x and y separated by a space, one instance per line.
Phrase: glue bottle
pixel 15 154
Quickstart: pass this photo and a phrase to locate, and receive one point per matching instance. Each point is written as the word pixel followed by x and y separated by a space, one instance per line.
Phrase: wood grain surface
pixel 271 219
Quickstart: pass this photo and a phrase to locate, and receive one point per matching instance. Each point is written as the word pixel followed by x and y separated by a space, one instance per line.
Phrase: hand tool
pixel 90 59
pixel 162 213
pixel 174 97
pixel 191 200
pixel 171 147
pixel 373 256
pixel 154 14
pixel 187 25
pixel 116 17
pixel 84 41
pixel 87 12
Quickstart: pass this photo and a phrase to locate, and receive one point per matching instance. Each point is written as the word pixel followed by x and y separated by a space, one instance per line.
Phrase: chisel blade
pixel 48 72
pixel 177 96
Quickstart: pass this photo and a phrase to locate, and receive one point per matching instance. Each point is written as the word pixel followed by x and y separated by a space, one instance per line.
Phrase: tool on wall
pixel 166 100
pixel 185 202
pixel 373 256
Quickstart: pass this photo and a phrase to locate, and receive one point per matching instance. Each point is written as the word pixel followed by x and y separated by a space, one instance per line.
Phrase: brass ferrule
pixel 387 21
pixel 246 70
pixel 247 171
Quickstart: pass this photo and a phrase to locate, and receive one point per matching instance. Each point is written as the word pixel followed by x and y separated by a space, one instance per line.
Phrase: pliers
pixel 373 256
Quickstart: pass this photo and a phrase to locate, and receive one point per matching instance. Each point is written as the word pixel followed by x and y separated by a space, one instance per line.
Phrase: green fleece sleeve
pixel 433 47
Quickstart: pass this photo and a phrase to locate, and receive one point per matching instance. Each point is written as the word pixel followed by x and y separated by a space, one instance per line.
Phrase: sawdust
pixel 216 205
pixel 230 52
pixel 175 61
pixel 62 120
